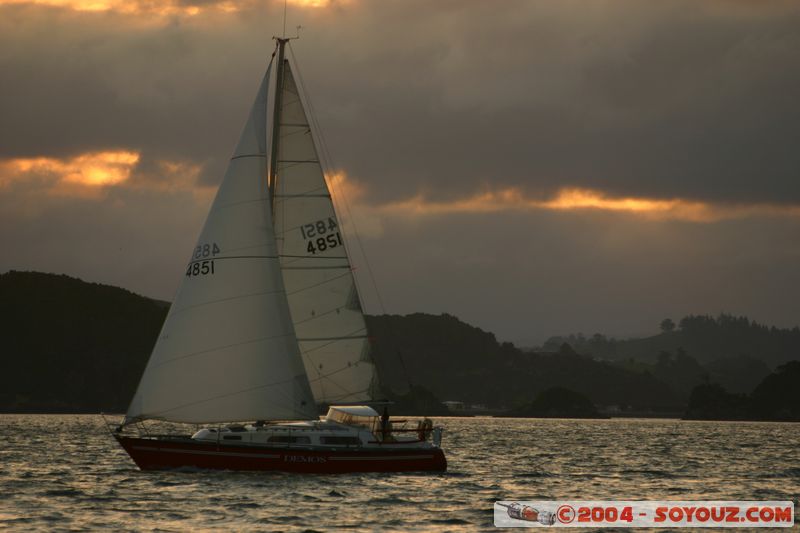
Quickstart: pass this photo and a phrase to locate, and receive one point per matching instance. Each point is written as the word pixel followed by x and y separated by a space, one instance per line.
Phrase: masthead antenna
pixel 283 35
pixel 284 17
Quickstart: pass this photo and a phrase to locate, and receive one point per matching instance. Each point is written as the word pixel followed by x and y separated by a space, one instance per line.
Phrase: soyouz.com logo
pixel 550 513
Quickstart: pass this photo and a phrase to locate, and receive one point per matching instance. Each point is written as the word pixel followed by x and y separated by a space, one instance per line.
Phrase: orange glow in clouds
pixel 315 3
pixel 95 175
pixel 566 199
pixel 128 7
pixel 162 8
pixel 93 169
pixel 659 208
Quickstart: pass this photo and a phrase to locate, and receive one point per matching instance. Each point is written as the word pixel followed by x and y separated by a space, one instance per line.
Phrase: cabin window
pixel 232 437
pixel 285 439
pixel 341 441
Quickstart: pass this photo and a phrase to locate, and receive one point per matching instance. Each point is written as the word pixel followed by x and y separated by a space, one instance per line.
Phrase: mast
pixel 276 117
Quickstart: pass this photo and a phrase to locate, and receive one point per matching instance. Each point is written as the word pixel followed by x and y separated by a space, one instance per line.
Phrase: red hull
pixel 153 454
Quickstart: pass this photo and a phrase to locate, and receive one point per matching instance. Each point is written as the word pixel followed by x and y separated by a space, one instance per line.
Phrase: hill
pixel 73 346
pixel 709 340
pixel 457 361
pixel 777 397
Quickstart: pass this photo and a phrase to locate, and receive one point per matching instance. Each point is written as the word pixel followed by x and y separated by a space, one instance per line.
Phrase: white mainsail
pixel 227 350
pixel 322 294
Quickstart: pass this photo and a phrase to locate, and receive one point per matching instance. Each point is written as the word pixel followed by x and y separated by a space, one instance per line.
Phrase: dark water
pixel 65 472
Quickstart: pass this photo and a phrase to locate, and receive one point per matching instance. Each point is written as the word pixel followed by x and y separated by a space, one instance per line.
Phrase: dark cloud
pixel 628 97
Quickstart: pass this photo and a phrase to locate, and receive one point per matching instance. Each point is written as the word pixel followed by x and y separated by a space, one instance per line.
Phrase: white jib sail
pixel 319 281
pixel 227 350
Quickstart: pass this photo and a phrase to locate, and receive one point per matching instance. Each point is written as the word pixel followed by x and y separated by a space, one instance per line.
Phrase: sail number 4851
pixel 321 235
pixel 199 266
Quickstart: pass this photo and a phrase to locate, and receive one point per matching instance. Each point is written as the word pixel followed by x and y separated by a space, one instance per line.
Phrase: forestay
pixel 227 350
pixel 322 294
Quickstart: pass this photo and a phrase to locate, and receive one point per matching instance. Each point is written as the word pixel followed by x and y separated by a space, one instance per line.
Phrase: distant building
pixel 454 405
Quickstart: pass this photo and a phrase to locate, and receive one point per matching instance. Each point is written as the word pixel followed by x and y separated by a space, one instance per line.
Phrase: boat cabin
pixel 354 415
pixel 352 425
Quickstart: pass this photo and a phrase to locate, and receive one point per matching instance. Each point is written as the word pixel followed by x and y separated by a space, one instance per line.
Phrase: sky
pixel 532 167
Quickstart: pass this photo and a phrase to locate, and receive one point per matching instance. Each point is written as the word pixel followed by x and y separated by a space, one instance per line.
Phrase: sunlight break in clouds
pixel 317 3
pixel 90 170
pixel 132 7
pixel 92 174
pixel 566 199
pixel 164 8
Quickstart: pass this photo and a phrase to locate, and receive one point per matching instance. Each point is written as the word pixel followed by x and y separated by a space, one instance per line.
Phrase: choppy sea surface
pixel 65 472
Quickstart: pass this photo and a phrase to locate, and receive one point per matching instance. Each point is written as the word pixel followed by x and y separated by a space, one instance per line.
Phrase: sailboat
pixel 267 324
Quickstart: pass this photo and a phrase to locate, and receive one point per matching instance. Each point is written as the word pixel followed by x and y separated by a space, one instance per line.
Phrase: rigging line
pixel 314 190
pixel 292 264
pixel 292 259
pixel 314 366
pixel 242 391
pixel 357 395
pixel 220 300
pixel 223 347
pixel 327 160
pixel 311 256
pixel 320 315
pixel 348 273
pixel 343 391
pixel 302 131
pixel 280 198
pixel 327 377
pixel 339 338
pixel 334 342
pixel 348 394
pixel 302 196
pixel 320 267
pixel 281 191
pixel 286 165
pixel 240 249
pixel 234 393
pixel 230 298
pixel 247 155
pixel 291 163
pixel 324 379
pixel 317 369
pixel 289 260
pixel 214 258
pixel 350 336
